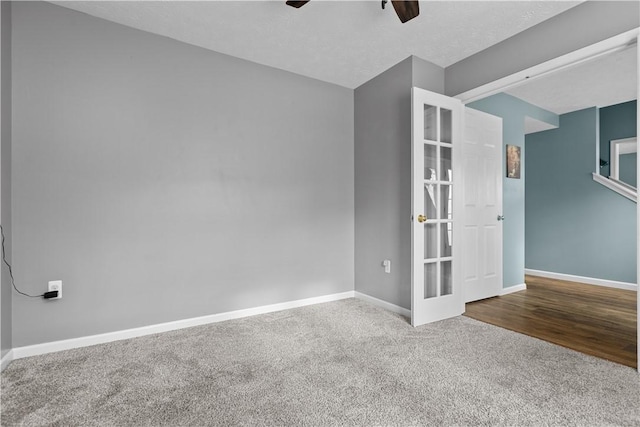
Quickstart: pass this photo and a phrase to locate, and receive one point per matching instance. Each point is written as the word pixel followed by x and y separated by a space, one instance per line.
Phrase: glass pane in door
pixel 446 202
pixel 430 241
pixel 431 280
pixel 446 278
pixel 446 239
pixel 430 162
pixel 446 174
pixel 430 200
pixel 430 122
pixel 445 125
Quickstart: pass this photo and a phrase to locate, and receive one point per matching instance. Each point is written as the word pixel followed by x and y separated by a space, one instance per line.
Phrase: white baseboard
pixel 384 304
pixel 512 289
pixel 580 279
pixel 51 347
pixel 8 358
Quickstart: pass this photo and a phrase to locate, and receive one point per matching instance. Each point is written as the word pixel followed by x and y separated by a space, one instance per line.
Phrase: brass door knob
pixel 422 218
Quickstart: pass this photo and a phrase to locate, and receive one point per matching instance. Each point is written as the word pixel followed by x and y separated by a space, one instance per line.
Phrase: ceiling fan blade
pixel 296 4
pixel 406 10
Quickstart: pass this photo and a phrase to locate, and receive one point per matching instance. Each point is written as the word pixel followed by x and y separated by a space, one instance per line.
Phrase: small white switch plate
pixel 56 285
pixel 387 265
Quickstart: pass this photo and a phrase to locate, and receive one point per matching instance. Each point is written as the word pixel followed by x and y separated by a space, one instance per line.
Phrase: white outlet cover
pixel 56 285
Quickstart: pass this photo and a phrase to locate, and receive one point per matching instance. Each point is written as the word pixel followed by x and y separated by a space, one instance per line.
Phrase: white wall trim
pixel 384 304
pixel 617 186
pixel 512 289
pixel 8 358
pixel 51 347
pixel 604 47
pixel 618 147
pixel 581 279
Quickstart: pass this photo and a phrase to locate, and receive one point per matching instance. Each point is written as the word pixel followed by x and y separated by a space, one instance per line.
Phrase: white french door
pixel 436 293
pixel 481 193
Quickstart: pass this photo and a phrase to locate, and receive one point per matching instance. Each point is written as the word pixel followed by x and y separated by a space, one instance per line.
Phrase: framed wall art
pixel 513 161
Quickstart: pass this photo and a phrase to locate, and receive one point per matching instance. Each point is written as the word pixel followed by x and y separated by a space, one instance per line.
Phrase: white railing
pixel 619 187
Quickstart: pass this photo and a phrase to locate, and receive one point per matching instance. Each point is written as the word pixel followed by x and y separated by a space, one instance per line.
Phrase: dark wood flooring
pixel 595 320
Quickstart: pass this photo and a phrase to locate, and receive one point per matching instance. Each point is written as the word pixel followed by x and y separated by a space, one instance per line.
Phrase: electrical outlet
pixel 387 265
pixel 56 285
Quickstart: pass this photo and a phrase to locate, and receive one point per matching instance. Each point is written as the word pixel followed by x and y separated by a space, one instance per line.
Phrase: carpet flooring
pixel 339 363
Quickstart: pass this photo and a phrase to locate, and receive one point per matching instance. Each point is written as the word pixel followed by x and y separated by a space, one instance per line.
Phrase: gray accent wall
pixel 575 225
pixel 383 178
pixel 5 174
pixel 513 112
pixel 583 25
pixel 160 181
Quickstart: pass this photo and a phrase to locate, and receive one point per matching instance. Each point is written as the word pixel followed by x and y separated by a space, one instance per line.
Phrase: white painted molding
pixel 8 358
pixel 618 147
pixel 384 304
pixel 512 289
pixel 610 45
pixel 580 279
pixel 617 186
pixel 51 347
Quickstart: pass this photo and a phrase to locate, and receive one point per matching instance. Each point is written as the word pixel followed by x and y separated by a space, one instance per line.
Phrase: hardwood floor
pixel 595 320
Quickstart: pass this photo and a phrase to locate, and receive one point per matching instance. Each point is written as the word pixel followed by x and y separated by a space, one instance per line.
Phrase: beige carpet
pixel 340 363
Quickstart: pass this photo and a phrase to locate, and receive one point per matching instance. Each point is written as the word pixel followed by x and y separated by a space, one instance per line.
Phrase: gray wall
pixel 5 173
pixel 575 225
pixel 513 112
pixel 383 178
pixel 426 75
pixel 578 27
pixel 161 181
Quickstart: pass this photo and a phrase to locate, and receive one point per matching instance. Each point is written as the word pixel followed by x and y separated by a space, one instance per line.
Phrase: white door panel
pixel 436 291
pixel 482 194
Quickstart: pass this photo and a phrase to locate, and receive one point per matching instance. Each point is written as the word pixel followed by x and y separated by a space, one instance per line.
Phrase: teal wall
pixel 629 168
pixel 618 122
pixel 575 225
pixel 513 112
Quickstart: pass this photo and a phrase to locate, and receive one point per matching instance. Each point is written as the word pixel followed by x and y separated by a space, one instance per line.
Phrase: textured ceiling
pixel 608 80
pixel 342 42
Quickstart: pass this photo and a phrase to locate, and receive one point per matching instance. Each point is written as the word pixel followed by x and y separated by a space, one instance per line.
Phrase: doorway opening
pixel 559 87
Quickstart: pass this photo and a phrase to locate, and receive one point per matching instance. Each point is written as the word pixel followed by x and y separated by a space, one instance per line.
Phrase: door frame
pixel 604 47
